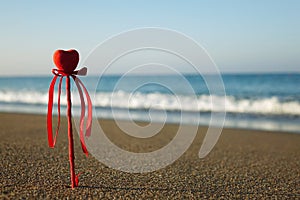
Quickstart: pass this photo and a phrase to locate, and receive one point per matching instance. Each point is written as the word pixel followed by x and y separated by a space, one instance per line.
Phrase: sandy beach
pixel 243 164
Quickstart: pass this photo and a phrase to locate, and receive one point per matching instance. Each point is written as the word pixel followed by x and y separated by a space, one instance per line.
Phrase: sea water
pixel 252 101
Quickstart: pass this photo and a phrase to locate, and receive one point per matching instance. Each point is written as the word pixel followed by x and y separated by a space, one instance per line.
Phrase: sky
pixel 240 36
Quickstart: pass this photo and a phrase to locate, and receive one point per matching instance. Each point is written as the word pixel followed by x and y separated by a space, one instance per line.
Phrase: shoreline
pixel 167 123
pixel 243 164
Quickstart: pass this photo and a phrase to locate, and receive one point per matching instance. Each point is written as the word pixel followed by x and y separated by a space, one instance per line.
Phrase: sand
pixel 243 164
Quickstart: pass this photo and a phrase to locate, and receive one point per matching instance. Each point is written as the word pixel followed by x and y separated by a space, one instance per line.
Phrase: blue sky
pixel 240 36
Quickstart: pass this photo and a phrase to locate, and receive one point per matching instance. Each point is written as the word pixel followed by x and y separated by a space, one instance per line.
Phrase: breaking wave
pixel 168 102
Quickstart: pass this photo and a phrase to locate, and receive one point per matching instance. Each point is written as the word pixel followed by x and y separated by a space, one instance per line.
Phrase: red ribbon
pixel 81 89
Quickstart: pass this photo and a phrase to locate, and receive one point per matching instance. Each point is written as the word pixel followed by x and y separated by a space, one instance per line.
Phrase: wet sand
pixel 243 164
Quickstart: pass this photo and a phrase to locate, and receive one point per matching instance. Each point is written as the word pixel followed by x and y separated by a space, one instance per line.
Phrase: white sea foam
pixel 168 102
pixel 29 97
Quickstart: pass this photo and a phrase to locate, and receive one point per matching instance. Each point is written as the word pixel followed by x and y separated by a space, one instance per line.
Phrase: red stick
pixel 70 134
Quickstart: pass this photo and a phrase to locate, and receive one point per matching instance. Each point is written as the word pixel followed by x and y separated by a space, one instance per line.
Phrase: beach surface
pixel 243 164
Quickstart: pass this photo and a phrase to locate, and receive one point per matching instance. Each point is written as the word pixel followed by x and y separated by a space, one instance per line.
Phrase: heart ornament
pixel 66 61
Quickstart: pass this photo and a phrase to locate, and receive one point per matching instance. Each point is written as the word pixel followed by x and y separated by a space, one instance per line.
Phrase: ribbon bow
pixel 60 73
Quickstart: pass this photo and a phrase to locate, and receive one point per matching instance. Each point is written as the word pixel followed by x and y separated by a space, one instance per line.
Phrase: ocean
pixel 252 101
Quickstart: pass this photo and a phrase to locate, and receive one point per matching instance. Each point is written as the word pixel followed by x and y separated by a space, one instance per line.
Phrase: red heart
pixel 66 60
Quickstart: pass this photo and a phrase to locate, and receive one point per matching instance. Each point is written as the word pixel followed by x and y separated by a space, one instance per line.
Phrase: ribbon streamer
pixel 82 90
